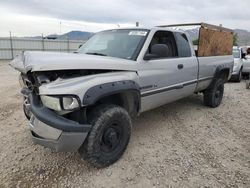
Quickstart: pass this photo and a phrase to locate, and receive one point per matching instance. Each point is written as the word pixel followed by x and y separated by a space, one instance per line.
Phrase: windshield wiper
pixel 96 53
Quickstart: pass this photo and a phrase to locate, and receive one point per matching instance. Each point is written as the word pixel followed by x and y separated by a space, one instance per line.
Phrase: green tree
pixel 195 42
pixel 235 39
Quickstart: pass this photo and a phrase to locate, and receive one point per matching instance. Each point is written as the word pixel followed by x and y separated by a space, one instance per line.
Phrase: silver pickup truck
pixel 238 64
pixel 85 100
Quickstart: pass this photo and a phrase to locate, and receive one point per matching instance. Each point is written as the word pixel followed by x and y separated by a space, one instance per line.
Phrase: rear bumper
pixel 54 131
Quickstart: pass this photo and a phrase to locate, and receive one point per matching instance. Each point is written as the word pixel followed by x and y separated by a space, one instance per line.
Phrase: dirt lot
pixel 183 144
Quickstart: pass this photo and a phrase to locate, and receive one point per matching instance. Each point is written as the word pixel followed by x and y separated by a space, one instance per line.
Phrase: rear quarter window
pixel 183 46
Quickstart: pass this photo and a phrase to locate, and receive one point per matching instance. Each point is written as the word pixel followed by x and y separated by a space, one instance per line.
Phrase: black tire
pixel 239 76
pixel 213 96
pixel 109 136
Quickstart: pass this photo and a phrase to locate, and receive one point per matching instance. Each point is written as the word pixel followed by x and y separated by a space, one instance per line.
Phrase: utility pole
pixel 11 46
pixel 137 24
pixel 68 43
pixel 60 27
pixel 60 34
pixel 42 42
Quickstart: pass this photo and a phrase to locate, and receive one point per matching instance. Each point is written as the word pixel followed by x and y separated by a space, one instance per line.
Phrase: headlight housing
pixel 70 103
pixel 60 103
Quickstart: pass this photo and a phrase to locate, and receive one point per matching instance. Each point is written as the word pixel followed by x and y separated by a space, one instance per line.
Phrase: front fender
pixel 80 85
pixel 99 91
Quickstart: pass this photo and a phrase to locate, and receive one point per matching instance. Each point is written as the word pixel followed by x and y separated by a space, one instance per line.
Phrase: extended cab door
pixel 166 79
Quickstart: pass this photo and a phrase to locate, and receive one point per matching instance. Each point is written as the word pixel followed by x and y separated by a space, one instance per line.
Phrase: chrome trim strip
pixel 205 78
pixel 168 88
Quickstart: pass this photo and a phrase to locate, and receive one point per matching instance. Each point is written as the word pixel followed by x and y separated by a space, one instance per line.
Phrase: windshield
pixel 120 43
pixel 236 53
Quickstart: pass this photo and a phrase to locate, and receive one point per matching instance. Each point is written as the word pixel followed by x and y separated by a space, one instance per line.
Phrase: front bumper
pixel 235 74
pixel 54 131
pixel 236 71
pixel 246 69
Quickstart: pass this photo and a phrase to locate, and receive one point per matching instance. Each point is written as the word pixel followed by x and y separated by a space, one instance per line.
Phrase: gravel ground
pixel 183 144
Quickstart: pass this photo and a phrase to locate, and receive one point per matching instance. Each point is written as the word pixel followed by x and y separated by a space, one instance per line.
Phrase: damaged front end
pixel 61 102
pixel 56 121
pixel 54 87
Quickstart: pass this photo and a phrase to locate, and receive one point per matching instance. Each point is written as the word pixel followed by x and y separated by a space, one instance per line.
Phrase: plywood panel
pixel 214 42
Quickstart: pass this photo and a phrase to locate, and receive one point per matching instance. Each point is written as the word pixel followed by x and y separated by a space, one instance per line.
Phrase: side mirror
pixel 243 56
pixel 157 50
pixel 80 46
pixel 150 56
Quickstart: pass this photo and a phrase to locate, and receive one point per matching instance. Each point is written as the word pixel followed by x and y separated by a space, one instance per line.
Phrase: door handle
pixel 179 86
pixel 180 66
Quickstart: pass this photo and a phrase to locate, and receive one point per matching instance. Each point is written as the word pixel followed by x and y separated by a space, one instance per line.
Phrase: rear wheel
pixel 213 96
pixel 109 136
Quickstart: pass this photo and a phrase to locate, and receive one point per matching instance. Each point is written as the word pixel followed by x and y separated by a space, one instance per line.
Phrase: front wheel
pixel 109 136
pixel 213 96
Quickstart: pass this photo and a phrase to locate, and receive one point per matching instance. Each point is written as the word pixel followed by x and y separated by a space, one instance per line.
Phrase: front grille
pixel 29 82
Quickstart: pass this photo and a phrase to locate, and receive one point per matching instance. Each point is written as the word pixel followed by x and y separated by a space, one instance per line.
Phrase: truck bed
pixel 208 65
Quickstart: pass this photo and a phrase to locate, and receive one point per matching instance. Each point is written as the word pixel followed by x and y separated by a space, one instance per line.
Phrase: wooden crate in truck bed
pixel 213 40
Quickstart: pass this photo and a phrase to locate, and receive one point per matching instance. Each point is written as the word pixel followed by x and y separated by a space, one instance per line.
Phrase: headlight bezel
pixel 60 102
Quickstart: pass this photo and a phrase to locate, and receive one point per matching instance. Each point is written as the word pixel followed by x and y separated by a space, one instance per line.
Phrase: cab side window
pixel 167 39
pixel 183 45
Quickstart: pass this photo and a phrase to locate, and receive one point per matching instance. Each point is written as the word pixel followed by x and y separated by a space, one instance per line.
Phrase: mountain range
pixel 73 35
pixel 243 36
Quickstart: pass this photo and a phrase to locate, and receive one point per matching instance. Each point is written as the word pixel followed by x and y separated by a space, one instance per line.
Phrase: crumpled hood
pixel 47 61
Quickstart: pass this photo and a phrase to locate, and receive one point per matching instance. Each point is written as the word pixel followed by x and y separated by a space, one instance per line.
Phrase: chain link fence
pixel 11 46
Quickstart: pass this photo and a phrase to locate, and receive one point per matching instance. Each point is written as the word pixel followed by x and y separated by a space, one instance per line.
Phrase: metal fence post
pixel 42 42
pixel 68 44
pixel 11 47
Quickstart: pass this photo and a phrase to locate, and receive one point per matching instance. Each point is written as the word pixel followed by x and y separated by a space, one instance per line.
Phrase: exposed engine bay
pixel 33 80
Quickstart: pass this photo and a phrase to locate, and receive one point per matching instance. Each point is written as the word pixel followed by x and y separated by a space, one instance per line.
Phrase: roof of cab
pixel 149 28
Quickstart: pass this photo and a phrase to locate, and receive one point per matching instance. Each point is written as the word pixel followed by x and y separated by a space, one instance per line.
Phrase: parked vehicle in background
pixel 246 62
pixel 85 101
pixel 248 84
pixel 238 64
